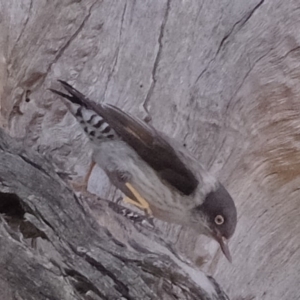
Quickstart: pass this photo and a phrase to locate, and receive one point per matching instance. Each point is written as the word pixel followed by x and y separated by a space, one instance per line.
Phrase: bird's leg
pixel 82 186
pixel 142 203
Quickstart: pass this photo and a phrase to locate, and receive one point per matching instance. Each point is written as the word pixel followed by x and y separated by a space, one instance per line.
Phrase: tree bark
pixel 79 258
pixel 219 76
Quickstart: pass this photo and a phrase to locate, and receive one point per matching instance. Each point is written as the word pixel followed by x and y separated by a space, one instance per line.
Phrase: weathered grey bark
pixel 220 76
pixel 79 258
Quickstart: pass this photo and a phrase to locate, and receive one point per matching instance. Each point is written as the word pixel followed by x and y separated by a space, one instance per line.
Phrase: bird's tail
pixel 93 124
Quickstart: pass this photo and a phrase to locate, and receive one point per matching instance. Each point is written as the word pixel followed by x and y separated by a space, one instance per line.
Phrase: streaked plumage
pixel 176 186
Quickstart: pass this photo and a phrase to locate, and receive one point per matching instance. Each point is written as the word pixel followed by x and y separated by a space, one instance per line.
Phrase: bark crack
pixel 116 56
pixel 33 164
pixel 205 69
pixel 245 77
pixel 22 31
pixel 156 61
pixel 250 70
pixel 71 39
pixel 289 52
pixel 119 285
pixel 82 284
pixel 241 23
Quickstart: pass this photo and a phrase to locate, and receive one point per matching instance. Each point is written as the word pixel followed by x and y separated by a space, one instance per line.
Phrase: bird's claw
pixel 142 203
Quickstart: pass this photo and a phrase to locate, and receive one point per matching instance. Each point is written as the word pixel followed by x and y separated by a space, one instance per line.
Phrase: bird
pixel 155 172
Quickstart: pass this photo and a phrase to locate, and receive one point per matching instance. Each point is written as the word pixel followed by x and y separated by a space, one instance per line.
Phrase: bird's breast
pixel 166 202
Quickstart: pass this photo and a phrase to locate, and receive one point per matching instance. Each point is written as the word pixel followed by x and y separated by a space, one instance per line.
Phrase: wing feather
pixel 144 139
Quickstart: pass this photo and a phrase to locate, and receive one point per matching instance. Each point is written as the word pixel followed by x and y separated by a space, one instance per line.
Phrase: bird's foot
pixel 142 203
pixel 80 186
pixel 138 205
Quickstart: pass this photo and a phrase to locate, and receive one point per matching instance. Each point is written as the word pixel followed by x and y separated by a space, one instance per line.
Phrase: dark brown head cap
pixel 219 213
pixel 218 204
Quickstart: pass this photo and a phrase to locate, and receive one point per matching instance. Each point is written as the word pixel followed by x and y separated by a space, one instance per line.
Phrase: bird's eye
pixel 219 220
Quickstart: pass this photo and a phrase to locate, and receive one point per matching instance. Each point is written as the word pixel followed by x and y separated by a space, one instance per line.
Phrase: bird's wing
pixel 144 139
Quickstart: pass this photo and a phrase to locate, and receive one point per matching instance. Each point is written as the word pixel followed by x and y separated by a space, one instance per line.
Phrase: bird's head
pixel 217 217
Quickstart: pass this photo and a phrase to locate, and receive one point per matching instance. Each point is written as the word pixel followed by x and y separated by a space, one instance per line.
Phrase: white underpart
pixel 116 155
pixel 113 154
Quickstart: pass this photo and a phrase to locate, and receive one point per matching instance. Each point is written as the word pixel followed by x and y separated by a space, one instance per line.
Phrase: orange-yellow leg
pixel 82 186
pixel 142 203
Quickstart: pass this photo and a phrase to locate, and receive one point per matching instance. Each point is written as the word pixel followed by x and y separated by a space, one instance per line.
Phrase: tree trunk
pixel 219 76
pixel 77 258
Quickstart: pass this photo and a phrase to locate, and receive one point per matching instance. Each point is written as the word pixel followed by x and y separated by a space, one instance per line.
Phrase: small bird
pixel 153 171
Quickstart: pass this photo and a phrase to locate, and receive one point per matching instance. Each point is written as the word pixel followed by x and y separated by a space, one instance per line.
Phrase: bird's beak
pixel 224 246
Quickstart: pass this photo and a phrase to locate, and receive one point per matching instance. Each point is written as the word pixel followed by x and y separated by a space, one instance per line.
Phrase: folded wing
pixel 144 139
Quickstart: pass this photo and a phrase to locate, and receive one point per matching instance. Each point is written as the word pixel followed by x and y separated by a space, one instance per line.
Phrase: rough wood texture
pixel 220 76
pixel 78 258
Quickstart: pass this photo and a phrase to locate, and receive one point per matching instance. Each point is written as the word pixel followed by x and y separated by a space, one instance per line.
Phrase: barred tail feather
pixel 95 127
